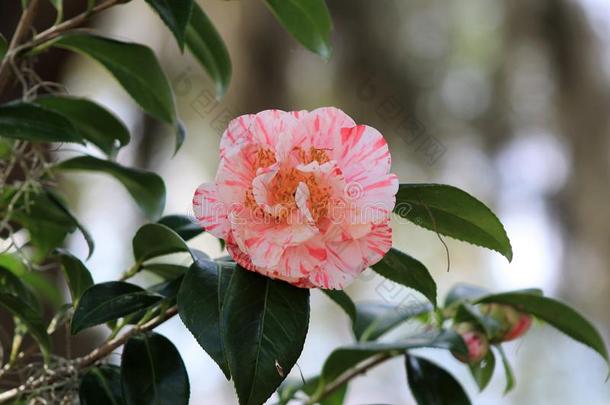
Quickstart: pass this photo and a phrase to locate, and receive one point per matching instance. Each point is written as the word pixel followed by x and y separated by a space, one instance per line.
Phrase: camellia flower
pixel 475 340
pixel 303 197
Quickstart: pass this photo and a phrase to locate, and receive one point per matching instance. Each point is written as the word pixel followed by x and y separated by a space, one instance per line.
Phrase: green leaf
pixel 403 269
pixel 101 386
pixel 35 123
pixel 57 200
pixel 265 324
pixel 376 319
pixel 484 370
pixel 207 46
pixel 78 276
pixel 508 371
pixel 344 358
pixel 344 301
pixel 92 121
pixel 307 20
pixel 470 313
pixel 452 212
pixel 175 14
pixel 166 271
pixel 432 385
pixel 146 188
pixel 148 86
pixel 12 283
pixel 109 301
pixel 464 292
pixel 182 225
pixel 154 240
pixel 153 372
pixel 36 283
pixel 557 314
pixel 30 318
pixel 200 307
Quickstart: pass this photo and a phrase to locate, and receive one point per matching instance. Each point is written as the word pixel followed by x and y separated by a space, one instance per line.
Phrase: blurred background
pixel 508 100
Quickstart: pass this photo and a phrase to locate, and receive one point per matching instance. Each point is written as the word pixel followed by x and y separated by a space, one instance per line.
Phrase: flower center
pixel 283 186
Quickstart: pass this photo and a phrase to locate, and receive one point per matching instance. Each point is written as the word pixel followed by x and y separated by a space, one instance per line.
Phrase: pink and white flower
pixel 303 197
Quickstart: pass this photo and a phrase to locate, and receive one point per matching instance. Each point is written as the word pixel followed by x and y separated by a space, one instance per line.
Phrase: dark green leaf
pixel 452 212
pixel 57 200
pixel 508 371
pixel 208 48
pixel 344 358
pixel 484 370
pixel 101 386
pixel 92 121
pixel 432 385
pixel 11 283
pixel 37 283
pixel 344 301
pixel 28 317
pixel 147 189
pixel 182 225
pixel 265 324
pixel 200 307
pixel 375 319
pixel 403 269
pixel 307 20
pixel 166 271
pixel 133 65
pixel 78 276
pixel 175 14
pixel 34 123
pixel 153 372
pixel 109 301
pixel 154 240
pixel 557 314
pixel 470 313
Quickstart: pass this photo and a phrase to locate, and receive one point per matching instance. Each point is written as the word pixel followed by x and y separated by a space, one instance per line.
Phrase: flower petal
pixel 210 212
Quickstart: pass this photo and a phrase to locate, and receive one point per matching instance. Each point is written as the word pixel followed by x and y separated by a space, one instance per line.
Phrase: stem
pixel 347 376
pixel 23 27
pixel 94 356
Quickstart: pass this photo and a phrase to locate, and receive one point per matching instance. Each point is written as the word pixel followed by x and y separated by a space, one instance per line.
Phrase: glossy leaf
pixel 207 46
pixel 265 324
pixel 154 240
pixel 344 301
pixel 403 269
pixel 29 317
pixel 12 283
pixel 376 319
pixel 109 301
pixel 35 123
pixel 200 302
pixel 149 87
pixel 101 386
pixel 166 271
pixel 555 313
pixel 78 276
pixel 432 385
pixel 508 371
pixel 175 14
pixel 146 188
pixel 92 121
pixel 182 225
pixel 484 370
pixel 152 372
pixel 452 212
pixel 344 358
pixel 308 21
pixel 57 201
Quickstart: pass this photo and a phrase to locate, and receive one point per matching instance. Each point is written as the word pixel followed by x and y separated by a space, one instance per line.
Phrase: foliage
pixel 253 327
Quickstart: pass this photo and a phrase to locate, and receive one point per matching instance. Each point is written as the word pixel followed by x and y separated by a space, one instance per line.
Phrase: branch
pixel 347 376
pixel 23 27
pixel 93 356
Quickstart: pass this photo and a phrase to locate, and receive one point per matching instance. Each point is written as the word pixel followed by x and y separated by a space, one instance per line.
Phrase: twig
pixel 347 376
pixel 93 356
pixel 23 27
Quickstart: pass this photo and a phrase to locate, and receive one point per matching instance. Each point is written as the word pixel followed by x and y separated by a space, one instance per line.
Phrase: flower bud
pixel 513 324
pixel 475 340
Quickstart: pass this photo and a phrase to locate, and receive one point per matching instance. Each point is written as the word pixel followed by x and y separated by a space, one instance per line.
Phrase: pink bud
pixel 519 328
pixel 475 340
pixel 513 324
